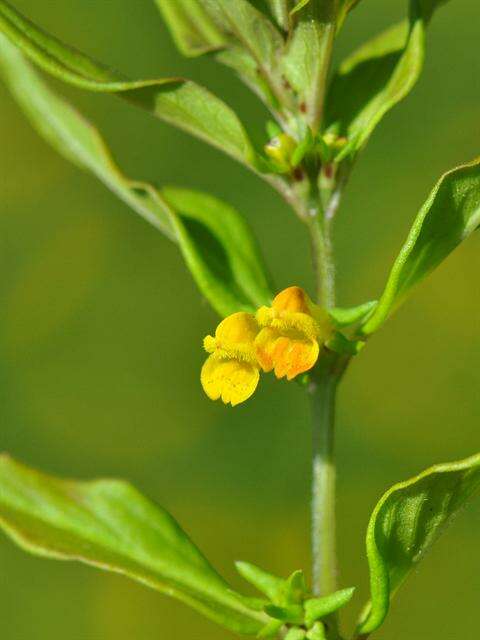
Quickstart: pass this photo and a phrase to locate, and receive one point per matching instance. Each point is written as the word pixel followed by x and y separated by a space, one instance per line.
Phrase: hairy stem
pixel 317 98
pixel 323 391
pixel 323 262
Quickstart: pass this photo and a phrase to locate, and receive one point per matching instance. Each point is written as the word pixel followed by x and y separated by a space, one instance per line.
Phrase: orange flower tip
pixel 293 299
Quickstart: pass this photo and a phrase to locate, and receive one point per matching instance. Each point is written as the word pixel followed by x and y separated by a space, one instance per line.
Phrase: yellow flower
pixel 231 372
pixel 294 330
pixel 286 337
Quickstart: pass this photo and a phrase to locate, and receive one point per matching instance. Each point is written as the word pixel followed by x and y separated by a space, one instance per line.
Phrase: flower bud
pixel 280 149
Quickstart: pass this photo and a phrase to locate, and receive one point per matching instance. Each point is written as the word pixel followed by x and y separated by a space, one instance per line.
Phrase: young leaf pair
pixel 290 602
pixel 110 525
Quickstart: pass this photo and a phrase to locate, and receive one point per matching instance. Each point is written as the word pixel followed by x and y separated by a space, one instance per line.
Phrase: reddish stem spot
pixel 298 174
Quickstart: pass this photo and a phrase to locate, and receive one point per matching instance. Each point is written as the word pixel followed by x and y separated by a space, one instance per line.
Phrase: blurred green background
pixel 101 330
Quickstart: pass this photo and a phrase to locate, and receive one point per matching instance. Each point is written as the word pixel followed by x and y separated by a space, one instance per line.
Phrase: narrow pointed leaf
pixel 449 216
pixel 218 246
pixel 271 629
pixel 256 46
pixel 345 6
pixel 268 584
pixel 252 44
pixel 295 588
pixel 220 251
pixel 317 632
pixel 179 102
pixel 280 10
pixel 251 29
pixel 347 316
pixel 428 7
pixel 406 522
pixel 295 634
pixel 305 62
pixel 244 65
pixel 300 4
pixel 110 525
pixel 372 81
pixel 292 614
pixel 343 345
pixel 376 77
pixel 318 608
pixel 193 30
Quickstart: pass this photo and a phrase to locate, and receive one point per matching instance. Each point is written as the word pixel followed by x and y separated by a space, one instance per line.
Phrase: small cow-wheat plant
pixel 319 121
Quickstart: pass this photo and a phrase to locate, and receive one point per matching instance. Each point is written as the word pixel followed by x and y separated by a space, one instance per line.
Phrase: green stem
pixel 316 104
pixel 323 392
pixel 323 263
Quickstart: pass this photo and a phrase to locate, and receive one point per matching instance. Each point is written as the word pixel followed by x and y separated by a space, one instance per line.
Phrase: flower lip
pixel 231 380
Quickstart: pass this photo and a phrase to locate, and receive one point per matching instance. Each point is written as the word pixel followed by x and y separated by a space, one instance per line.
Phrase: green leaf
pixel 254 47
pixel 305 62
pixel 376 77
pixel 295 588
pixel 75 138
pixel 428 7
pixel 300 5
pixel 250 43
pixel 110 525
pixel 372 81
pixel 346 317
pixel 179 102
pixel 193 30
pixel 268 584
pixel 449 216
pixel 280 11
pixel 292 614
pixel 344 8
pixel 317 632
pixel 245 66
pixel 343 345
pixel 220 251
pixel 271 629
pixel 217 244
pixel 303 148
pixel 251 29
pixel 295 634
pixel 406 522
pixel 318 608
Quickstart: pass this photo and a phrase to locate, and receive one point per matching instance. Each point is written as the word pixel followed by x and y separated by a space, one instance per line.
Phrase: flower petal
pixel 288 355
pixel 293 299
pixel 231 380
pixel 300 356
pixel 238 328
pixel 264 348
